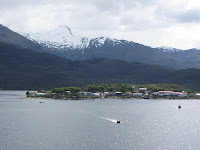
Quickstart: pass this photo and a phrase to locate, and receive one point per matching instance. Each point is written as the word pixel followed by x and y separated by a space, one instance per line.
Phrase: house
pixel 118 93
pixel 67 92
pixel 182 94
pixel 170 93
pixel 137 94
pixel 192 94
pixel 53 95
pixel 98 94
pixel 85 93
pixel 155 93
pixel 197 94
pixel 146 93
pixel 129 93
pixel 142 89
pixel 89 93
pixel 106 93
pixel 176 93
pixel 80 93
pixel 40 94
pixel 164 93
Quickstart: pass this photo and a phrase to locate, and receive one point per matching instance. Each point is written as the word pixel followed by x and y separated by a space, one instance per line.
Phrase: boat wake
pixel 108 119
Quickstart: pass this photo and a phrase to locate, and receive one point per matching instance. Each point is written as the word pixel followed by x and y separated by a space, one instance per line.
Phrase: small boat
pixel 41 102
pixel 118 121
pixel 179 106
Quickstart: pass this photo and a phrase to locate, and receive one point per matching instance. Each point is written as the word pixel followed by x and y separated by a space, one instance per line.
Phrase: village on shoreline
pixel 129 91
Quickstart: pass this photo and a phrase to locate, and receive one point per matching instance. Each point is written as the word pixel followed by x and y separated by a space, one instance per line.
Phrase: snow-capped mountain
pixel 64 43
pixel 61 38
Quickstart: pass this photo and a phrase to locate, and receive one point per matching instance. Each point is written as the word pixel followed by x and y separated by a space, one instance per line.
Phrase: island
pixel 122 91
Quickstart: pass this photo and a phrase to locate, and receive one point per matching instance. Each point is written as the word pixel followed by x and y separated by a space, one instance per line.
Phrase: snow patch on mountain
pixel 97 42
pixel 168 49
pixel 59 38
pixel 62 38
pixel 171 49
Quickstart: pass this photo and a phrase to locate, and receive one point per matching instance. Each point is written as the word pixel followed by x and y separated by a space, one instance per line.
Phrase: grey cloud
pixel 180 16
pixel 103 5
pixel 118 6
pixel 187 16
pixel 133 18
pixel 95 14
pixel 87 14
pixel 10 4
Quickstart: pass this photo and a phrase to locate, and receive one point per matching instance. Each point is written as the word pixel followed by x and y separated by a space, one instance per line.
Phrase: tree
pixel 27 93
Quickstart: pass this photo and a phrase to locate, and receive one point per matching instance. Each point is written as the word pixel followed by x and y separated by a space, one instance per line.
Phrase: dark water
pixel 26 124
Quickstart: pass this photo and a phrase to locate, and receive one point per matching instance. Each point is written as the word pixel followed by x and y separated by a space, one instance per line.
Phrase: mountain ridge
pixel 7 35
pixel 69 46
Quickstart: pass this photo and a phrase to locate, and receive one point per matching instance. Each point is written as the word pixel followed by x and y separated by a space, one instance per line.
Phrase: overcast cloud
pixel 154 23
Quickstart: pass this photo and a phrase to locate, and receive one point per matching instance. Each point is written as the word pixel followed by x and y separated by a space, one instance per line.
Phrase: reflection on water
pixel 91 124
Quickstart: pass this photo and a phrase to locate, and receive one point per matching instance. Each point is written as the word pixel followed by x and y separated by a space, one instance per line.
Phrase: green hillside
pixel 25 69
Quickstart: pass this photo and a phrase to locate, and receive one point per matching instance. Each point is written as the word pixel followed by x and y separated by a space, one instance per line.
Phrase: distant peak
pixel 194 49
pixel 62 28
pixel 169 49
pixel 166 47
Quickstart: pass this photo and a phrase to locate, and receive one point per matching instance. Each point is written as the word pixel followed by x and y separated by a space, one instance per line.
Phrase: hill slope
pixel 7 35
pixel 25 69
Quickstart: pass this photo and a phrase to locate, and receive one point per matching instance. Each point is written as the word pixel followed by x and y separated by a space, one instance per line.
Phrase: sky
pixel 173 23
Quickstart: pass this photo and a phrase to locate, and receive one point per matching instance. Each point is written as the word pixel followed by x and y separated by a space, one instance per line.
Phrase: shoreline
pixel 116 98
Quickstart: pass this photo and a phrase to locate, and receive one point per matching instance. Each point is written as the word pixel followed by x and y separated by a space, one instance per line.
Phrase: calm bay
pixel 27 124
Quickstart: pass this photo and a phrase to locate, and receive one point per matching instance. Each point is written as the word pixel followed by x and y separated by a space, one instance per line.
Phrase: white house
pixel 137 94
pixel 40 94
pixel 142 89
